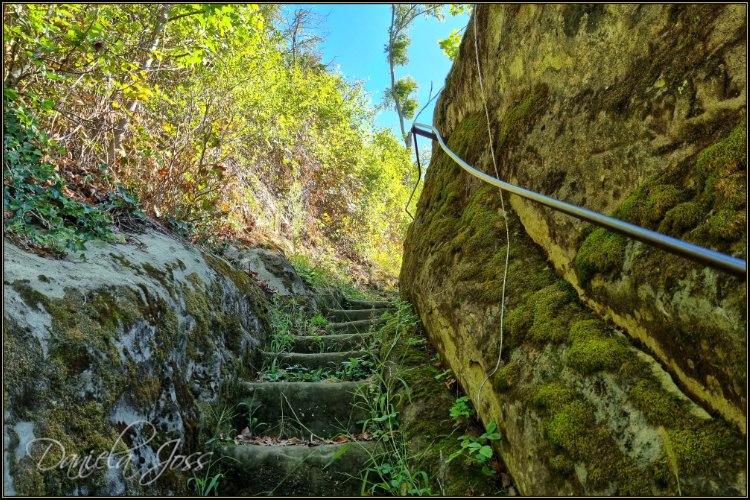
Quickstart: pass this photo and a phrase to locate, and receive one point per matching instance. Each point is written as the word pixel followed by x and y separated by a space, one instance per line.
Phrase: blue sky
pixel 358 35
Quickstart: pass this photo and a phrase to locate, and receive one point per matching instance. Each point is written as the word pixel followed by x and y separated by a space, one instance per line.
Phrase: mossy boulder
pixel 272 267
pixel 155 332
pixel 632 111
pixel 581 392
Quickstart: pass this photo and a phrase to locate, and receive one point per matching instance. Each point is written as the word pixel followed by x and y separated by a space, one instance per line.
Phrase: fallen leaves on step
pixel 272 440
pixel 470 491
pixel 512 492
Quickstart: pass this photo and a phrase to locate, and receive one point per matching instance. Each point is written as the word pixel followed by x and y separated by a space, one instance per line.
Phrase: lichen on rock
pixel 581 392
pixel 134 333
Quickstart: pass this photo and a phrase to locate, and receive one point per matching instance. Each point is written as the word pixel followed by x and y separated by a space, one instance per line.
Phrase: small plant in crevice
pixel 319 320
pixel 253 425
pixel 222 432
pixel 478 451
pixel 461 412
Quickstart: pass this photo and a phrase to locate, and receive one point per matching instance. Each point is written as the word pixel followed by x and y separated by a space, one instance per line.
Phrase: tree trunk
pixel 121 124
pixel 393 73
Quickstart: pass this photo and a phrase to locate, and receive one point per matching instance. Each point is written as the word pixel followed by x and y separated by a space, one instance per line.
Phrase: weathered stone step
pixel 331 343
pixel 362 326
pixel 313 361
pixel 356 314
pixel 296 409
pixel 296 470
pixel 368 304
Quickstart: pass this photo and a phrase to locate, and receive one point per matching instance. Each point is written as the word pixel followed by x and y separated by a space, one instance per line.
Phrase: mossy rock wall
pixel 617 109
pixel 153 332
pixel 424 415
pixel 641 117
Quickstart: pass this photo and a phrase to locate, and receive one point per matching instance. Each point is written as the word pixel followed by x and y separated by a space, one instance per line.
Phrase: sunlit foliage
pixel 196 109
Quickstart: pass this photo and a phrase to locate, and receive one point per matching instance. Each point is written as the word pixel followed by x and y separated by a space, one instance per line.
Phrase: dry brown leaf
pixel 506 479
pixel 340 439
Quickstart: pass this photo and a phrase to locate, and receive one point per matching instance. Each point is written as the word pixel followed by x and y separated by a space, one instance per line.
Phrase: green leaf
pixel 338 454
pixel 486 451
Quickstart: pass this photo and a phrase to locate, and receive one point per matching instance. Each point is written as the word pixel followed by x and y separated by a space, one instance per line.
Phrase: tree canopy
pixel 196 112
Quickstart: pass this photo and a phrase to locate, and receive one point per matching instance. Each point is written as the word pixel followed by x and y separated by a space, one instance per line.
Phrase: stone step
pixel 368 304
pixel 297 409
pixel 312 361
pixel 362 326
pixel 330 343
pixel 356 314
pixel 296 470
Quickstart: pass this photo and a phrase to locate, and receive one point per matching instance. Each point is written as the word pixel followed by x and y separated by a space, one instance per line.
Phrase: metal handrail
pixel 692 252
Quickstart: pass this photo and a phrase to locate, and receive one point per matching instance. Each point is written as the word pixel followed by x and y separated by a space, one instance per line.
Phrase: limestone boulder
pixel 269 266
pixel 154 332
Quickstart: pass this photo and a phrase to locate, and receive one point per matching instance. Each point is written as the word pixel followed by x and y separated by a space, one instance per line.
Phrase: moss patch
pixel 592 350
pixel 90 366
pixel 602 252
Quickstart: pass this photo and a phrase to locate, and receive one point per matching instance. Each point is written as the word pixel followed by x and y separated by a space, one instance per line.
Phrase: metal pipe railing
pixel 689 251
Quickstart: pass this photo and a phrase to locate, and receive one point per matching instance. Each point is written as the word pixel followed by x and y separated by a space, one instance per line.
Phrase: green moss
pixel 729 225
pixel 23 363
pixel 552 312
pixel 602 252
pixel 633 369
pixel 29 295
pixel 562 464
pixel 720 162
pixel 123 262
pixel 659 407
pixel 161 277
pixel 553 396
pixel 698 449
pixel 648 204
pixel 568 426
pixel 591 350
pixel 681 218
pixel 519 117
pixel 519 321
pixel 507 376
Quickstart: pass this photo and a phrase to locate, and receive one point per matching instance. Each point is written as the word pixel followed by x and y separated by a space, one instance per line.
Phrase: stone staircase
pixel 310 412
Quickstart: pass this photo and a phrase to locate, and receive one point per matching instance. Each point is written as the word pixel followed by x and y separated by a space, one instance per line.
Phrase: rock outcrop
pixel 269 266
pixel 154 332
pixel 634 111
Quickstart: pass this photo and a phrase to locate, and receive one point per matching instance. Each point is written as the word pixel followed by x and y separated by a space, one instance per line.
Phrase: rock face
pixel 154 332
pixel 271 267
pixel 634 111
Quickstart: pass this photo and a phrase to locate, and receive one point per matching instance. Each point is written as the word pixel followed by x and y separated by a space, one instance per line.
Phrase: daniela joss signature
pixel 85 466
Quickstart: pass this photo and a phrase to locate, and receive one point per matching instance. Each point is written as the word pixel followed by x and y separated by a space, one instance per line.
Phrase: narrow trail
pixel 315 445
